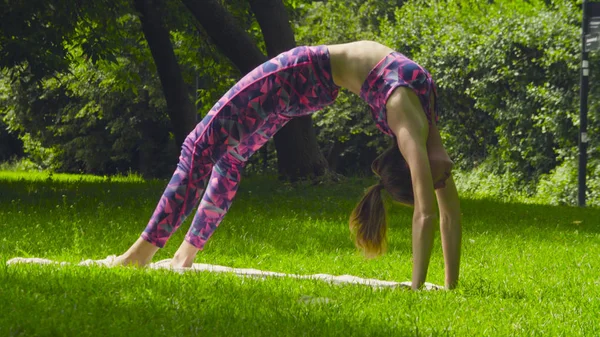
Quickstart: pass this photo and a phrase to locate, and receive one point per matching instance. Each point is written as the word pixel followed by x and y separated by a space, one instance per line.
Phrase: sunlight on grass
pixel 66 177
pixel 526 269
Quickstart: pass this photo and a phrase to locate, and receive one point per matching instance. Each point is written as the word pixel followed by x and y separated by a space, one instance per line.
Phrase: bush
pixel 507 74
pixel 560 186
pixel 479 183
pixel 508 79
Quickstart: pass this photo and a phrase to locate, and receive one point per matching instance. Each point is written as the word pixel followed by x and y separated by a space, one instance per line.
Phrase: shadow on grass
pixel 47 193
pixel 538 222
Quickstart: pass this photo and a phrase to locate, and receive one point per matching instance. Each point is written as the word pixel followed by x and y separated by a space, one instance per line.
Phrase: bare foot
pixel 125 260
pixel 139 254
pixel 185 255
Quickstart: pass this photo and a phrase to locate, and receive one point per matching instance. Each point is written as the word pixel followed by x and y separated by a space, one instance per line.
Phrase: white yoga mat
pixel 246 272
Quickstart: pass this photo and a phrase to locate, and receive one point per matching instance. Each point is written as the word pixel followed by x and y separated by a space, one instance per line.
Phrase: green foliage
pixel 81 89
pixel 507 73
pixel 35 34
pixel 480 183
pixel 108 115
pixel 560 186
pixel 102 117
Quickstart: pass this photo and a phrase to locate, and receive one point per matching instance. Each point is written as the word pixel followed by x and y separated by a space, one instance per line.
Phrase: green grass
pixel 526 270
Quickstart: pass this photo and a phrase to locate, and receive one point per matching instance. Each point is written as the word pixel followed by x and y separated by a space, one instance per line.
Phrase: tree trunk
pixel 179 106
pixel 298 153
pixel 333 156
pixel 225 33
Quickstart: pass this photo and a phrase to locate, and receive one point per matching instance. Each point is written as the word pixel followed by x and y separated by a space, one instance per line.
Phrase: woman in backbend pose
pixel 298 82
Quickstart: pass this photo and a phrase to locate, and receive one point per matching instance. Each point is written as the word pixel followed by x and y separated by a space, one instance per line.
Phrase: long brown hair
pixel 368 219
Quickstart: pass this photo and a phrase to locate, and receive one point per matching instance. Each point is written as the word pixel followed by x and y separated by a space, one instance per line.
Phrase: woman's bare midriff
pixel 352 62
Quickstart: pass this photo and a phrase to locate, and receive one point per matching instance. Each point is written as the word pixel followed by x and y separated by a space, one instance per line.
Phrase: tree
pixel 34 35
pixel 180 108
pixel 78 92
pixel 297 149
pixel 10 145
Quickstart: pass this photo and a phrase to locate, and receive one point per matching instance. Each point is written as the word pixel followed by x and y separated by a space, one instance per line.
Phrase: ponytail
pixel 367 221
pixel 368 224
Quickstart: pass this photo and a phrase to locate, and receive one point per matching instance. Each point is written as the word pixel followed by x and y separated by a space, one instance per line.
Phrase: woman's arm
pixel 408 122
pixel 449 207
pixel 451 231
pixel 424 214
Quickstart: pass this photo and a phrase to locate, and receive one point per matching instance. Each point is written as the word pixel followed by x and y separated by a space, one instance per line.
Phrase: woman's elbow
pixel 424 220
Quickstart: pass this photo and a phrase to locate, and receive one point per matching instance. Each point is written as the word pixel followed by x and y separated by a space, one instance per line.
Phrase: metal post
pixel 583 107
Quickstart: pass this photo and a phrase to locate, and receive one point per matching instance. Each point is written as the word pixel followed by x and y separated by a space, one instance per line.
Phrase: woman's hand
pixel 426 286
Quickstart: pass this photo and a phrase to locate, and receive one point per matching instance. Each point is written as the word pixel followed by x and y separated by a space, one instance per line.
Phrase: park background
pixel 89 87
pixel 96 96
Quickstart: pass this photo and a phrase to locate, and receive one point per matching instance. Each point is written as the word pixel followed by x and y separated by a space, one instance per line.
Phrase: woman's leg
pixel 221 130
pixel 220 191
pixel 181 194
pixel 222 186
pixel 237 119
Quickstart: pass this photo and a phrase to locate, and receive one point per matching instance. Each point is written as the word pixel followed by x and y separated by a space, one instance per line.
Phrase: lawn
pixel 526 269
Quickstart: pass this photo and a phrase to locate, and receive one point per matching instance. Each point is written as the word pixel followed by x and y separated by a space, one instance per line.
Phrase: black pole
pixel 583 107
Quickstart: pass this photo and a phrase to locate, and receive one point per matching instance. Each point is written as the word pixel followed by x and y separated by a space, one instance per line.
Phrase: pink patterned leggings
pixel 294 83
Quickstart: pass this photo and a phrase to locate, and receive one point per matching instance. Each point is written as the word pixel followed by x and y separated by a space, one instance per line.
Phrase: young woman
pixel 298 82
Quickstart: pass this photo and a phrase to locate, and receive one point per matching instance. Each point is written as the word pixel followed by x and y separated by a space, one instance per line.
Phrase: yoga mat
pixel 245 272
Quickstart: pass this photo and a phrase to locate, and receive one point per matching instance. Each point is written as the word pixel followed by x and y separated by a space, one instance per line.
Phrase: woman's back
pixel 352 62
